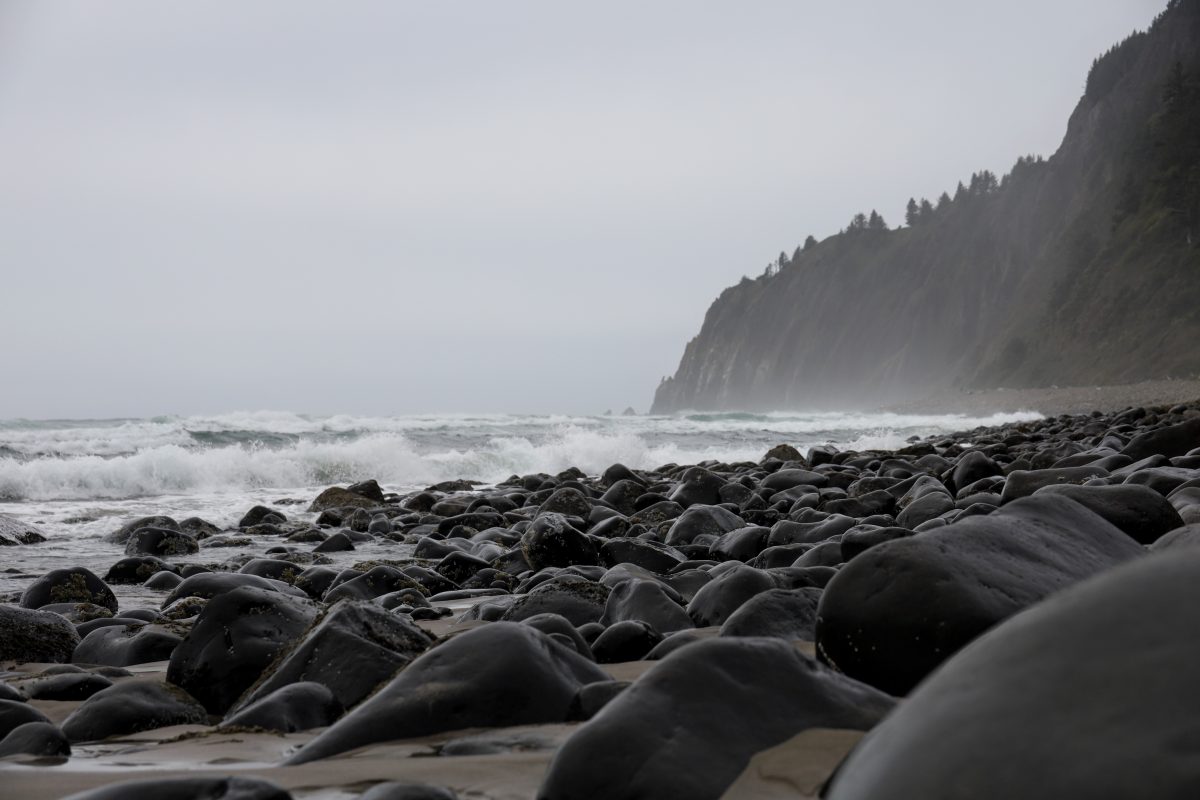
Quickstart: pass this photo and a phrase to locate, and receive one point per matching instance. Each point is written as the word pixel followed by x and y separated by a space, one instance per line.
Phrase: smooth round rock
pixel 233 640
pixel 15 712
pixel 161 542
pixel 141 704
pixel 898 610
pixel 35 739
pixel 1089 694
pixel 496 675
pixel 37 636
pixel 71 585
pixel 779 613
pixel 296 707
pixel 690 724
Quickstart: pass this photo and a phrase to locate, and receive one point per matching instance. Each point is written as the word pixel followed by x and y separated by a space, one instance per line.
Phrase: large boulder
pixel 1139 511
pixel 550 541
pixel 236 636
pixel 1089 694
pixel 578 599
pixel 716 600
pixel 1169 442
pixel 646 601
pixel 295 707
pixel 778 613
pixel 337 497
pixel 899 609
pixel 160 542
pixel 35 739
pixel 130 706
pixel 13 531
pixel 701 520
pixel 69 585
pixel 122 534
pixel 39 636
pixel 14 713
pixel 125 645
pixel 497 675
pixel 689 726
pixel 350 649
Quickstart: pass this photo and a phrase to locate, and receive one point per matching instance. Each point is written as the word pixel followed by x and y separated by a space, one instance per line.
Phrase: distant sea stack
pixel 1082 268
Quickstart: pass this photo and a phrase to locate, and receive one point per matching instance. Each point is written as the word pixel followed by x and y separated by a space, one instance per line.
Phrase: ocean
pixel 77 480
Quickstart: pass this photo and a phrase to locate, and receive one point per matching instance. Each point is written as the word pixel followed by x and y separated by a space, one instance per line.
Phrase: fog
pixel 392 207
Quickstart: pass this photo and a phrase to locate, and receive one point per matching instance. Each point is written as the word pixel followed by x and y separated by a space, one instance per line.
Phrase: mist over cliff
pixel 1080 268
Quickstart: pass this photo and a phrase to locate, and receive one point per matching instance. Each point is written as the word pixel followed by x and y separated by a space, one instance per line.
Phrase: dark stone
pixel 577 599
pixel 141 704
pixel 593 697
pixel 236 636
pixel 137 569
pixel 369 489
pixel 778 613
pixel 742 544
pixel 15 712
pixel 561 629
pixel 785 479
pixel 77 613
pixel 296 707
pixel 1187 536
pixel 208 585
pixel 187 789
pixel 675 641
pixel 394 790
pixel 160 542
pixel 568 502
pixel 336 543
pixel 654 556
pixel 1022 483
pixel 125 645
pixel 623 495
pixel 315 581
pixel 895 612
pixel 861 538
pixel 646 601
pixel 38 636
pixel 972 466
pixel 163 581
pixel 460 567
pixel 688 727
pixel 497 675
pixel 656 513
pixel 697 486
pixel 71 585
pixel 1175 440
pixel 550 541
pixel 122 534
pixel 375 582
pixel 1088 694
pixel 273 568
pixel 336 497
pixel 351 649
pixel 77 686
pixel 725 593
pixel 700 520
pixel 1139 511
pixel 35 739
pixel 629 640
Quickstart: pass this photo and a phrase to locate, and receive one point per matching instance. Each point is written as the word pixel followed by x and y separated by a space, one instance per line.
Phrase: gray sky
pixel 390 207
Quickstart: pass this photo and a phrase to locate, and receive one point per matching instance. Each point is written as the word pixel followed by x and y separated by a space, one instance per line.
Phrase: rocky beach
pixel 997 612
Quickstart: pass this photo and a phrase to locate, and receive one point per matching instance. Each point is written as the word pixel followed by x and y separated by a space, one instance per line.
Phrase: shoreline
pixel 1055 400
pixel 533 604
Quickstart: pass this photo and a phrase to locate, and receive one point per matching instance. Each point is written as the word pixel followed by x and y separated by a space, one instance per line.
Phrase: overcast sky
pixel 391 207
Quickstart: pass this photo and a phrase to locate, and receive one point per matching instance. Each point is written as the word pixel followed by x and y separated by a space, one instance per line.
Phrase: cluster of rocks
pixel 1009 611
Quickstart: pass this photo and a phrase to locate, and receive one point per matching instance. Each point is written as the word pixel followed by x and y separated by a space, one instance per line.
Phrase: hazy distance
pixel 390 207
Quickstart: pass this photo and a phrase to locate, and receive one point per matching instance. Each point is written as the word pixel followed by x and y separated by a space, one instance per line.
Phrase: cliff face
pixel 1080 269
